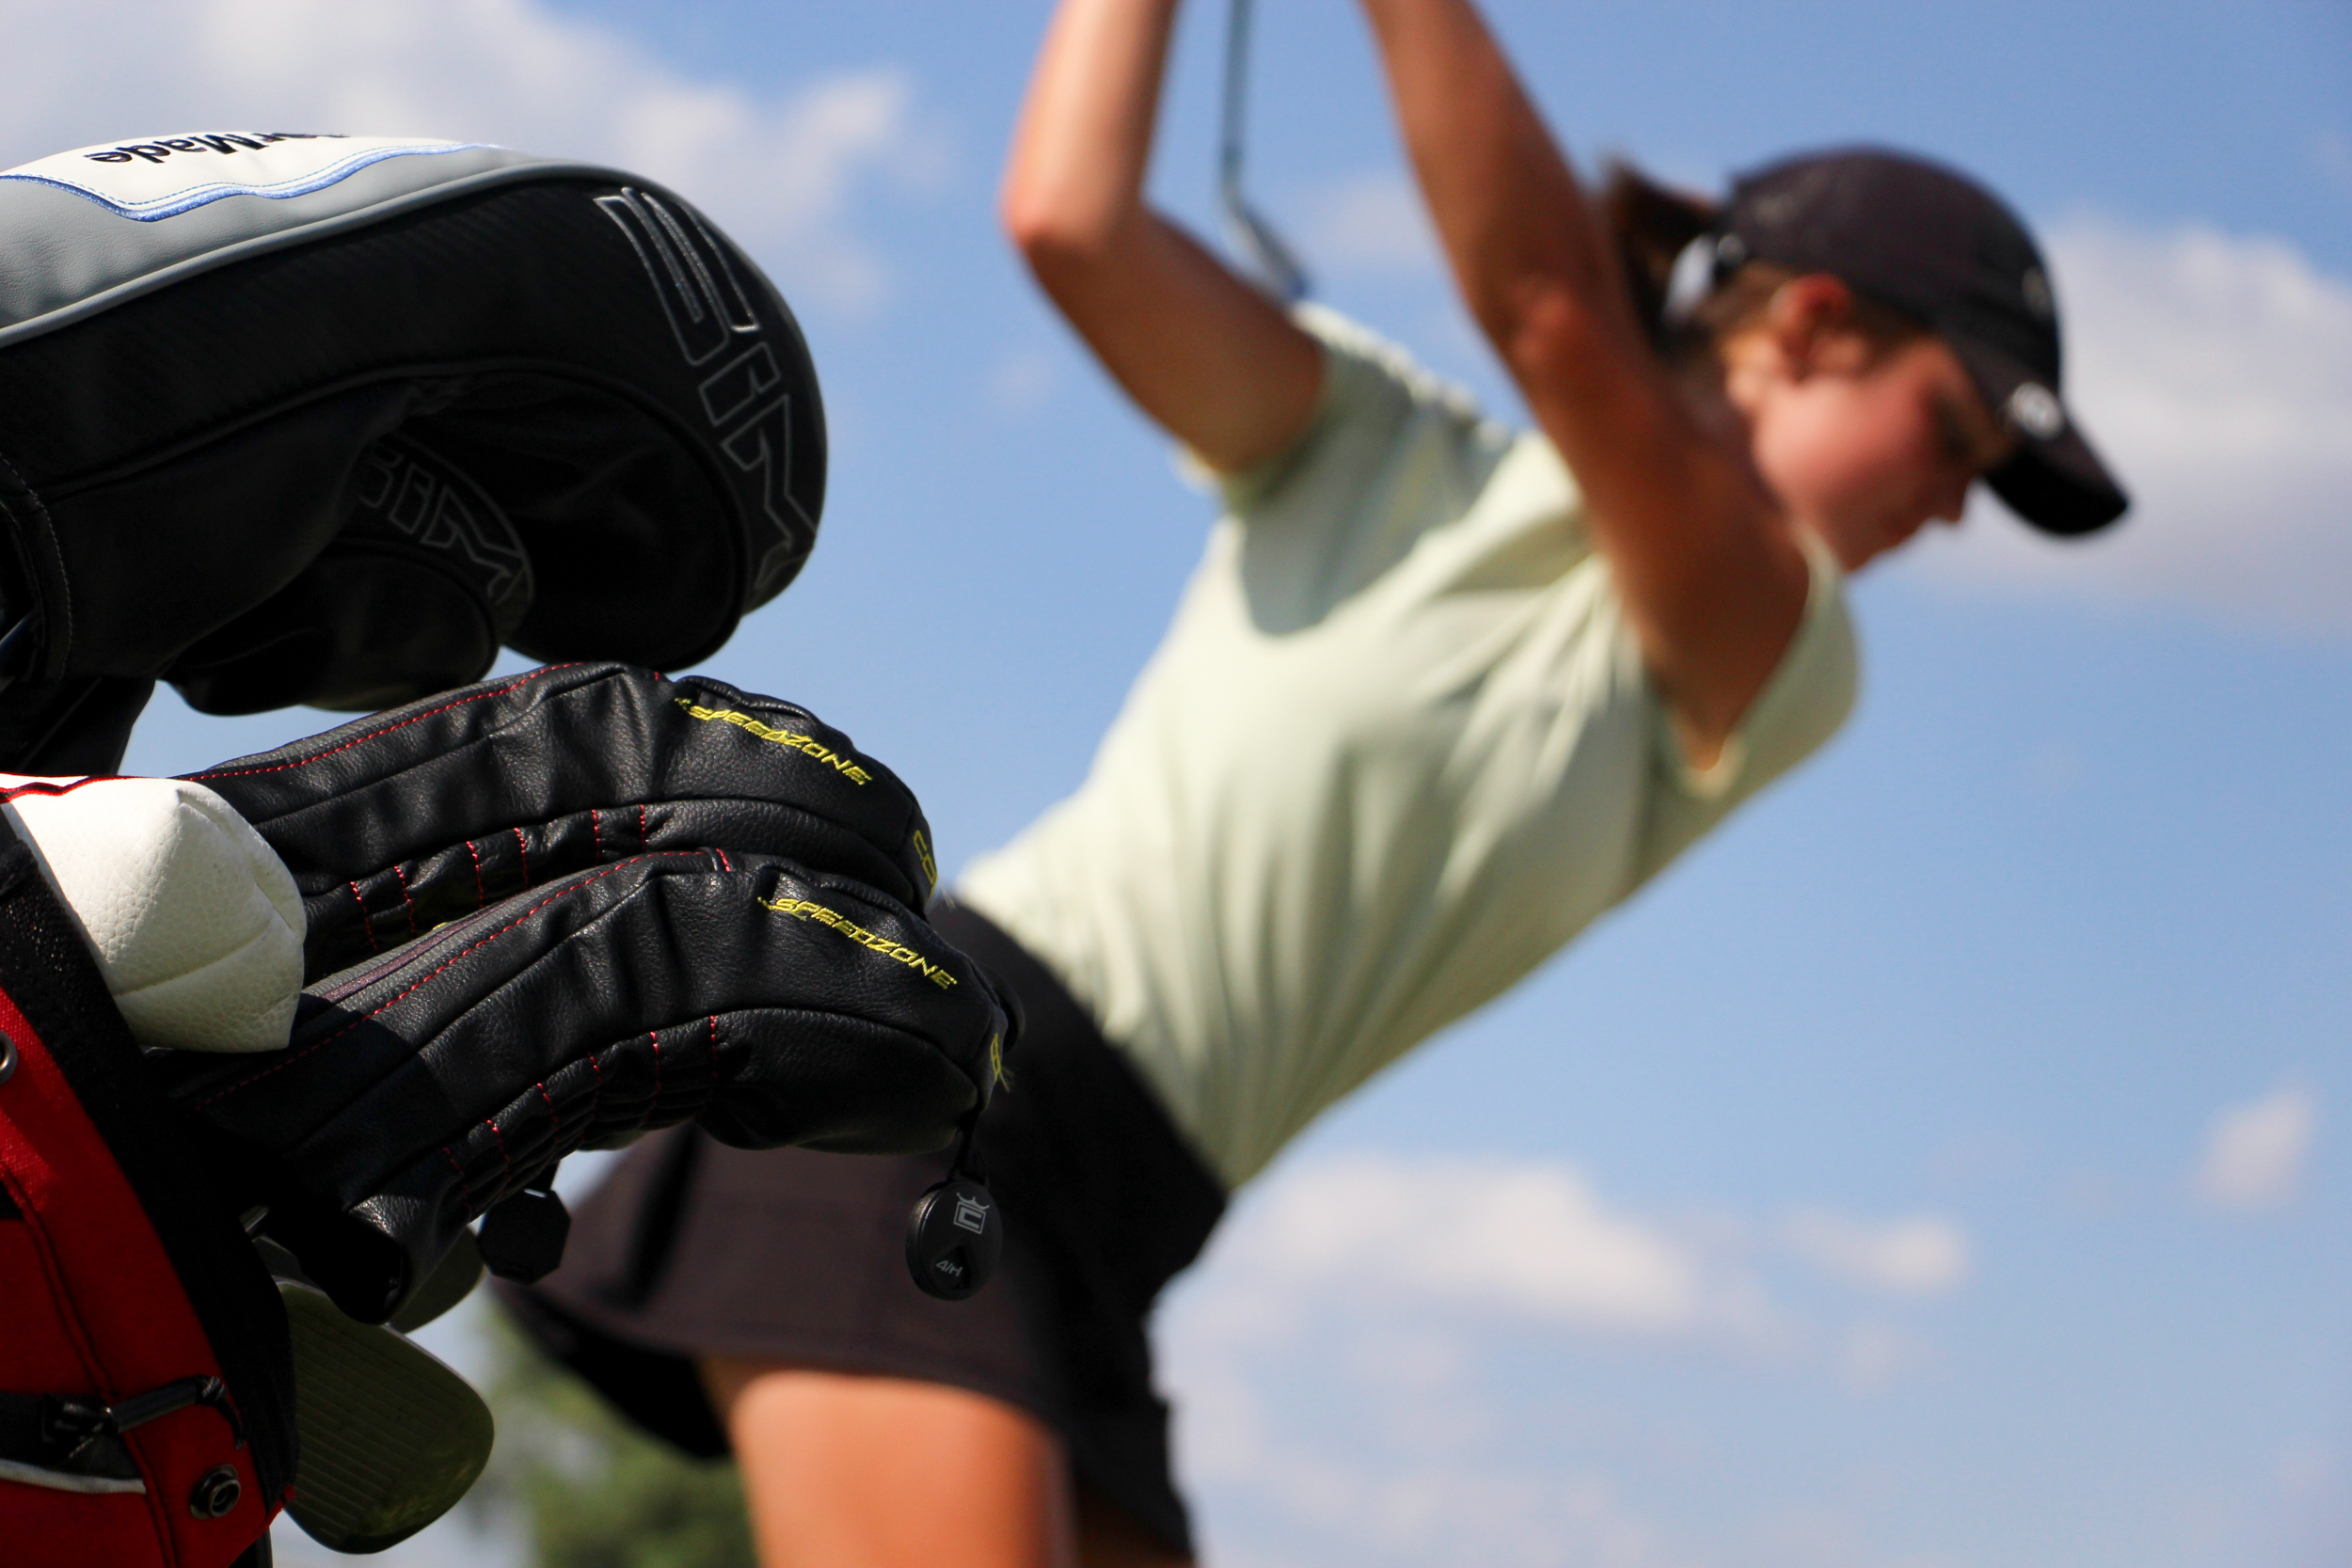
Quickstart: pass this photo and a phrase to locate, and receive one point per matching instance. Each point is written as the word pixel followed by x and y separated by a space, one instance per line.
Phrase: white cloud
pixel 1371 222
pixel 2215 371
pixel 1377 1443
pixel 1918 1257
pixel 1471 1240
pixel 1528 1238
pixel 780 173
pixel 1387 1358
pixel 2255 1152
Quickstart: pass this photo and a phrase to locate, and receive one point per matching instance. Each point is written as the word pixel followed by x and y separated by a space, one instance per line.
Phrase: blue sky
pixel 1943 1166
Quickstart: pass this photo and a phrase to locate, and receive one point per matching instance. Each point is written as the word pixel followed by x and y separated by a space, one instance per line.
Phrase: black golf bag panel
pixel 328 419
pixel 145 1378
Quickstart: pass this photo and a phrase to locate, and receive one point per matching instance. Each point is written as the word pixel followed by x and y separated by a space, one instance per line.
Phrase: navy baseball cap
pixel 1940 249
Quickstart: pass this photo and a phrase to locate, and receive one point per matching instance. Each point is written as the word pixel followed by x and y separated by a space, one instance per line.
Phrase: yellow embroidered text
pixel 791 740
pixel 890 947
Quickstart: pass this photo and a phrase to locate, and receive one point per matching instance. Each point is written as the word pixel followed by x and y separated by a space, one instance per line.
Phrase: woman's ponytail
pixel 1652 224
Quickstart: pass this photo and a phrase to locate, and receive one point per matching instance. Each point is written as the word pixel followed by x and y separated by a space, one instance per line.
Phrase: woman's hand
pixel 1212 361
pixel 1709 570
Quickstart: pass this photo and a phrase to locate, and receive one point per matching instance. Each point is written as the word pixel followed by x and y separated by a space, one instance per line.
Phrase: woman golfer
pixel 1438 695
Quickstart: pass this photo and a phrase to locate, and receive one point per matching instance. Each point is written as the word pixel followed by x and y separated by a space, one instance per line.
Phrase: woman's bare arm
pixel 1711 574
pixel 1213 361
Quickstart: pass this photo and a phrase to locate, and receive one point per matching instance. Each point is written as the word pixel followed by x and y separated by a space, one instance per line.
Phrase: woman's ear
pixel 1807 316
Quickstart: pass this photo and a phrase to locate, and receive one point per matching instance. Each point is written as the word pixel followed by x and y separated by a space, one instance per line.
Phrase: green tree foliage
pixel 593 1491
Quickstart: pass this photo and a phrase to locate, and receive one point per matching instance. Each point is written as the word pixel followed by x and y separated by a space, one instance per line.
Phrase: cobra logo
pixel 741 397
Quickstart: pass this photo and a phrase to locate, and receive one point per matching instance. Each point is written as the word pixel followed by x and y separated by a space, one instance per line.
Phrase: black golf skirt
pixel 690 1248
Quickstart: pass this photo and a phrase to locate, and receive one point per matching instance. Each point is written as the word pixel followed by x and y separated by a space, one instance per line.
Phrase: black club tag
pixel 954 1239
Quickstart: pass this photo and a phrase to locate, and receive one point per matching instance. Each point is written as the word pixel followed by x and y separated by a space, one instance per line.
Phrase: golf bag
pixel 329 420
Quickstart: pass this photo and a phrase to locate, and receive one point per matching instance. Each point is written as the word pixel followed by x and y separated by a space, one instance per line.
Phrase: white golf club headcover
pixel 195 922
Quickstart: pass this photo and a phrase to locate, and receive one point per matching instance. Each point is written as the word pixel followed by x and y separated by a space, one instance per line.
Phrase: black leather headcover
pixel 398 822
pixel 276 412
pixel 557 910
pixel 425 580
pixel 771 1004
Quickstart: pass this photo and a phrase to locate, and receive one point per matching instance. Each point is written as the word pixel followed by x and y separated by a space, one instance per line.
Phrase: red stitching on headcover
pixel 480 898
pixel 524 850
pixel 365 923
pixel 405 899
pixel 503 1159
pixel 641 826
pixel 723 856
pixel 595 834
pixel 553 1115
pixel 316 1045
pixel 42 788
pixel 656 1070
pixel 377 735
pixel 464 1187
pixel 596 1101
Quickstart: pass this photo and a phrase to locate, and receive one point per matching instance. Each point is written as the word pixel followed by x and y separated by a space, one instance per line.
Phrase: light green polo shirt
pixel 1398 746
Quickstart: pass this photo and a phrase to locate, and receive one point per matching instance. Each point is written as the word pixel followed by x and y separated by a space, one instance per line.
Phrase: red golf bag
pixel 146 1383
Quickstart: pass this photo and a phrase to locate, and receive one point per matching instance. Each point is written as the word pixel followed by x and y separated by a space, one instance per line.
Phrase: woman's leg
pixel 852 1470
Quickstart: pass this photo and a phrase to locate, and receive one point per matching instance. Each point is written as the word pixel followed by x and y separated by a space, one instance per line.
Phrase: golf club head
pixel 391 1438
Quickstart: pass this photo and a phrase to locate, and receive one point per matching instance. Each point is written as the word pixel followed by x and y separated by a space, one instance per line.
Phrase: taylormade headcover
pixel 328 418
